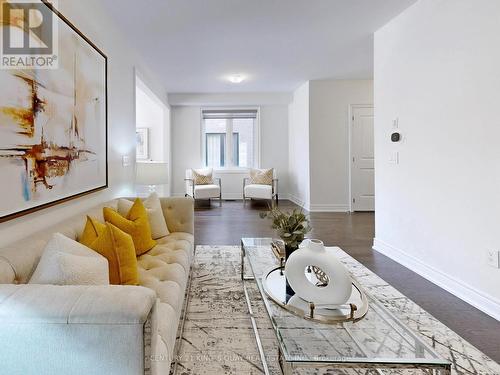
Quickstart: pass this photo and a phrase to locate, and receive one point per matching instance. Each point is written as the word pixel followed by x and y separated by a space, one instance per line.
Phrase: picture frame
pixel 142 145
pixel 54 127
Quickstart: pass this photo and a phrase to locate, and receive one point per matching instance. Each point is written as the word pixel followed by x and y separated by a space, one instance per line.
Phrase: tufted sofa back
pixel 19 259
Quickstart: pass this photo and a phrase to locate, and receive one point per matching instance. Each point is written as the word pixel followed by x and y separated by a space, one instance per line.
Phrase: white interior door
pixel 362 160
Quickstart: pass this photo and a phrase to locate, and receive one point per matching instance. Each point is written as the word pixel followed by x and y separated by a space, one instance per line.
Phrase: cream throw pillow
pixel 67 262
pixel 261 176
pixel 152 204
pixel 203 176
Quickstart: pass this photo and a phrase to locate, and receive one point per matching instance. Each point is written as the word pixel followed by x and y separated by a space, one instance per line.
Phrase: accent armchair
pixel 262 184
pixel 200 184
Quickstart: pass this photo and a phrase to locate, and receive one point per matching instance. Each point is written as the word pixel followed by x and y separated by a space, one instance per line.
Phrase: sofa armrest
pixel 179 214
pixel 80 304
pixel 75 329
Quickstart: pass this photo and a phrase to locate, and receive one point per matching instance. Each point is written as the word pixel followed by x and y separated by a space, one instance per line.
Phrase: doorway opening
pixel 152 119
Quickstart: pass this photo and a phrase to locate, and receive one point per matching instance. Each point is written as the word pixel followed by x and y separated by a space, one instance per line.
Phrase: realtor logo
pixel 29 31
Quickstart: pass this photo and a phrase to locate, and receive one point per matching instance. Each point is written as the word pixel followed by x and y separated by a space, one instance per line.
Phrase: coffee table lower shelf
pixel 288 367
pixel 437 366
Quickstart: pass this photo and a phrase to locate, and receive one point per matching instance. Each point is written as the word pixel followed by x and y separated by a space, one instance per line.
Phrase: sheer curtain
pixel 215 144
pixel 230 137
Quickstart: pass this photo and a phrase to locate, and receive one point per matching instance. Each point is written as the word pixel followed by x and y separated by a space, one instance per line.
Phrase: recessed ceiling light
pixel 236 78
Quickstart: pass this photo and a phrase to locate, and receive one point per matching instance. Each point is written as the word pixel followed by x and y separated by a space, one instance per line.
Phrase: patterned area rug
pixel 218 337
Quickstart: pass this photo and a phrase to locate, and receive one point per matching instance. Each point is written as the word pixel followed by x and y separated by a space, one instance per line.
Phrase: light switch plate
pixel 394 157
pixel 395 123
pixel 493 258
pixel 125 161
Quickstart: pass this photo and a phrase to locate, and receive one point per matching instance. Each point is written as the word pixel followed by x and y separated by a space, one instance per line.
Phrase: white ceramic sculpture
pixel 313 253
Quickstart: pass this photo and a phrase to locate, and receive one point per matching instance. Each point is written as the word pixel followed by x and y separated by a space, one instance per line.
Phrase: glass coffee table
pixel 378 341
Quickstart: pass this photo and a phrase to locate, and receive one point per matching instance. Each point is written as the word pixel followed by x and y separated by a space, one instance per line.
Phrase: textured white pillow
pixel 261 176
pixel 152 204
pixel 202 176
pixel 67 262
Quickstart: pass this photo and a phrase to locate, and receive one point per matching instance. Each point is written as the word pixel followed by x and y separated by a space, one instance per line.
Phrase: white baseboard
pixel 329 208
pixel 474 297
pixel 232 196
pixel 236 196
pixel 299 202
pixel 319 207
pixel 292 198
pixel 284 197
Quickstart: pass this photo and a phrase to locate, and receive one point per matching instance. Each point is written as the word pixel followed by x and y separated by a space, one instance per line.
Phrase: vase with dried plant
pixel 291 227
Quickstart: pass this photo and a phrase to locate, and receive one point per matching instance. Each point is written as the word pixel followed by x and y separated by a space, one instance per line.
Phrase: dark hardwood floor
pixel 354 234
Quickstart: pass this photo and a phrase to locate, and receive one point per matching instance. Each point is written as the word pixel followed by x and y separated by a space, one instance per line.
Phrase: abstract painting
pixel 53 127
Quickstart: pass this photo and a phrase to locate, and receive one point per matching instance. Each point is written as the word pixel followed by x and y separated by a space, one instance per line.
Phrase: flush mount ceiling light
pixel 236 78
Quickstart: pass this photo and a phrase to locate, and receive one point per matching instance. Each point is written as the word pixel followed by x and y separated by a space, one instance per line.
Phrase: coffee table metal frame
pixel 441 367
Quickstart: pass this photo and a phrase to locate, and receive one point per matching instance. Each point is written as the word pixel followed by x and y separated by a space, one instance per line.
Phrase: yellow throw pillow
pixel 136 223
pixel 91 231
pixel 117 247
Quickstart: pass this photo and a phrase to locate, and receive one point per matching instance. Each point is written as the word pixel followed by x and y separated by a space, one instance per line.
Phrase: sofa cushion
pixel 136 223
pixel 165 268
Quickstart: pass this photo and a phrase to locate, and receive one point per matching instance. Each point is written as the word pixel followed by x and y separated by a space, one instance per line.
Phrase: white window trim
pixel 257 146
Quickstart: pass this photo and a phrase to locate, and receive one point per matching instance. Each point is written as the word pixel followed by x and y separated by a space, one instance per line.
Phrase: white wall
pixel 298 151
pixel 329 103
pixel 186 144
pixel 186 136
pixel 319 141
pixel 150 115
pixel 93 22
pixel 438 210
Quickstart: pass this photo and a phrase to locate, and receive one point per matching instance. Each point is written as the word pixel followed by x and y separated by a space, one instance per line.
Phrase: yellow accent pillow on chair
pixel 136 223
pixel 117 247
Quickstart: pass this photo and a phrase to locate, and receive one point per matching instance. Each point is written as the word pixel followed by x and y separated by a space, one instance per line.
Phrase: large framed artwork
pixel 53 126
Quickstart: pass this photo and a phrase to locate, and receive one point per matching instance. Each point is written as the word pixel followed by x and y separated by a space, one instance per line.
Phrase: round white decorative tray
pixel 276 287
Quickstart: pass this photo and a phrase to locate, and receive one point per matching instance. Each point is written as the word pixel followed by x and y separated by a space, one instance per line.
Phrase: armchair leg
pixel 276 199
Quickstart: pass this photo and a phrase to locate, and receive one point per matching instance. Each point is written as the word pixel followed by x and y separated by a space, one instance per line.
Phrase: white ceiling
pixel 193 45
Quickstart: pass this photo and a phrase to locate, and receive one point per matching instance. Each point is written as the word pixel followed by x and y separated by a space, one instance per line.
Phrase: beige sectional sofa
pixel 48 329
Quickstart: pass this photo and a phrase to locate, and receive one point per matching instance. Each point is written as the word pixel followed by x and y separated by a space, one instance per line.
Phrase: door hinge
pixel 353 200
pixel 353 119
pixel 353 159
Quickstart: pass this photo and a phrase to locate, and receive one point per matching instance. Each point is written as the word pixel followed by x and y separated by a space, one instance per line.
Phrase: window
pixel 215 149
pixel 241 126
